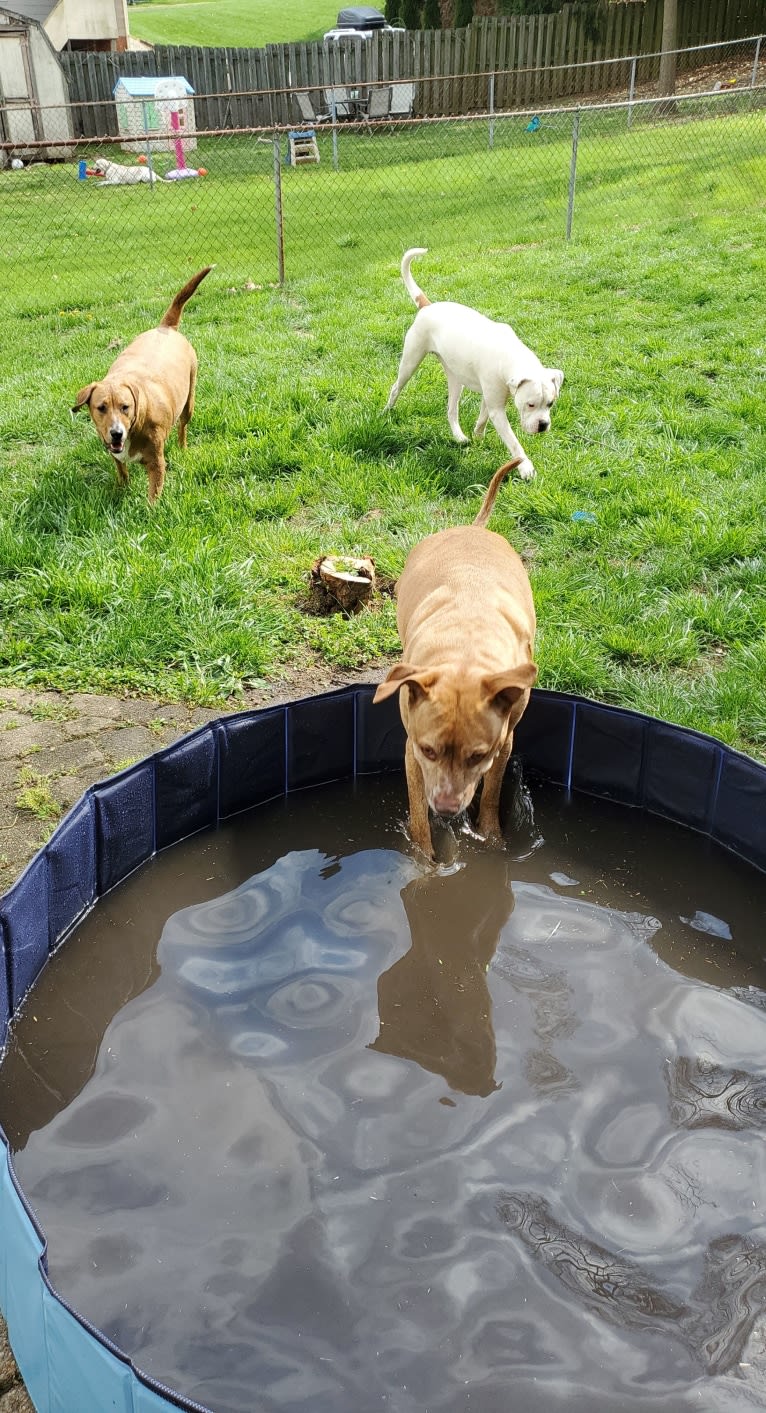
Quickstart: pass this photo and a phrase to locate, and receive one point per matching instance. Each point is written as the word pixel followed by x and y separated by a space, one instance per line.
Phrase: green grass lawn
pixel 655 311
pixel 232 22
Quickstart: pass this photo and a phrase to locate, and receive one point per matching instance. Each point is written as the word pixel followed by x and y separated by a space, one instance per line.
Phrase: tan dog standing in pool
pixel 467 623
pixel 148 388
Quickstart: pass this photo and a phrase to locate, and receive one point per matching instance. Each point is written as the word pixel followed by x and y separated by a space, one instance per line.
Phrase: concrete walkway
pixel 54 744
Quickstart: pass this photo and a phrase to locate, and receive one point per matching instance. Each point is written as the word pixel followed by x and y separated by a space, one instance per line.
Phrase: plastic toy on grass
pixel 169 95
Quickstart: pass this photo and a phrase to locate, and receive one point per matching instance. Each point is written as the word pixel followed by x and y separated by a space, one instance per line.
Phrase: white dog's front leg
pixel 481 420
pixel 454 389
pixel 506 434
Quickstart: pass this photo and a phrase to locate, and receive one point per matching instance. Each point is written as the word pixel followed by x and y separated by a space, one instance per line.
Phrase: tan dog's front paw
pixel 488 827
pixel 422 841
pixel 526 470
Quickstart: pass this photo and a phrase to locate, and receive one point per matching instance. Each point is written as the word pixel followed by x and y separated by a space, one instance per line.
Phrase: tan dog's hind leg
pixel 420 828
pixel 188 410
pixel 489 807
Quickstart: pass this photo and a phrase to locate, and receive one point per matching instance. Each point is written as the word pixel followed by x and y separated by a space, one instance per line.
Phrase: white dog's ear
pixel 418 681
pixel 557 377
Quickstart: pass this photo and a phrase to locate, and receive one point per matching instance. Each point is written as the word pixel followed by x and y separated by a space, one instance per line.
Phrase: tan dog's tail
pixel 492 490
pixel 172 316
pixel 413 290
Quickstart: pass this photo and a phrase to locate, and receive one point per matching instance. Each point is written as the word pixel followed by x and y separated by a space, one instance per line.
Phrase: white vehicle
pixel 358 22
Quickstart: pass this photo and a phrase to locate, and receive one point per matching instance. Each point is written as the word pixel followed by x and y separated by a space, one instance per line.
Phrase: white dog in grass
pixel 478 353
pixel 116 175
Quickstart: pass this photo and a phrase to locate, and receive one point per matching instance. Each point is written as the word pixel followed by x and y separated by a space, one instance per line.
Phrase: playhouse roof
pixel 145 87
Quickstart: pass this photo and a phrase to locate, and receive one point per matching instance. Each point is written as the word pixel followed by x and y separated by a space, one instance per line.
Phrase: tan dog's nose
pixel 447 804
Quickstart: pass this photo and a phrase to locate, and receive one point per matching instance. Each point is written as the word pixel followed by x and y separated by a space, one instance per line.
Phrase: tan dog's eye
pixel 101 407
pixel 124 407
pixel 476 758
pixel 428 752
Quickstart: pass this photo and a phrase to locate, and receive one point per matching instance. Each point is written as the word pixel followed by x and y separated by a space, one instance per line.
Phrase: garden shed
pixel 142 113
pixel 33 92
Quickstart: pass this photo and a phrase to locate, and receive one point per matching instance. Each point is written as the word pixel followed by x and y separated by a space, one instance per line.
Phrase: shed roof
pixel 145 87
pixel 32 9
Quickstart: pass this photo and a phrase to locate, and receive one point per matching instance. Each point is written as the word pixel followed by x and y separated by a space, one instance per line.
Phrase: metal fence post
pixel 278 212
pixel 631 90
pixel 754 75
pixel 491 111
pixel 573 172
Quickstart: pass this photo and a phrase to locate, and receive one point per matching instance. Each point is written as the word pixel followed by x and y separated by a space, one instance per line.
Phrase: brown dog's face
pixel 113 407
pixel 456 727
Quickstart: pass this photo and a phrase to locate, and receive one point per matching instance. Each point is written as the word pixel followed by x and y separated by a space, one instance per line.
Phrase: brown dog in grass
pixel 467 624
pixel 148 388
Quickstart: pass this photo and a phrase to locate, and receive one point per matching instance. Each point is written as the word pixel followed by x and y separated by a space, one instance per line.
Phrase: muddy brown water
pixel 309 1126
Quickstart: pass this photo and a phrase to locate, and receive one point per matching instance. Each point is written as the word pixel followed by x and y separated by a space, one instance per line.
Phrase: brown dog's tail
pixel 172 316
pixel 492 490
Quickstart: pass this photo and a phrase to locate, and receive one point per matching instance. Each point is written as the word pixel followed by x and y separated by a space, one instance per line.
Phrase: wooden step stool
pixel 303 147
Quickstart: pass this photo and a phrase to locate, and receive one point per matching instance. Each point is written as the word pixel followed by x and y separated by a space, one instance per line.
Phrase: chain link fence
pixel 496 179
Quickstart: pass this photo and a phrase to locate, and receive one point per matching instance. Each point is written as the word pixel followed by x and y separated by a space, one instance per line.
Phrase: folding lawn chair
pixel 402 100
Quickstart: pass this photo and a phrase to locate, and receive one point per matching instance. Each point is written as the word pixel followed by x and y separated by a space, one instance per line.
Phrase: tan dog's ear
pixel 418 682
pixel 83 396
pixel 505 688
pixel 139 402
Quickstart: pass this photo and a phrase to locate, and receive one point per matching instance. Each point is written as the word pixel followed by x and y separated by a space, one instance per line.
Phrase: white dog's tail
pixel 412 289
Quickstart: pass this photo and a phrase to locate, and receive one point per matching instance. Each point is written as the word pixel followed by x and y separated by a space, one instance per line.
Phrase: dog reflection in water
pixel 434 1003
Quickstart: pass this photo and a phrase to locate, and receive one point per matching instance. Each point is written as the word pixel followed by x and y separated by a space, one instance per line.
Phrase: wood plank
pixel 539 84
pixel 561 52
pixel 504 97
pixel 480 60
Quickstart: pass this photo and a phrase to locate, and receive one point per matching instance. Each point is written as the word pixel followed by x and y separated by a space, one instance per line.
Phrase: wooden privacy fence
pixel 536 59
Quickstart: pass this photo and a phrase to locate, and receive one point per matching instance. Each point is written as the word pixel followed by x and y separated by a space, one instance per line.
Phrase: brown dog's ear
pixel 505 688
pixel 418 682
pixel 139 402
pixel 83 396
